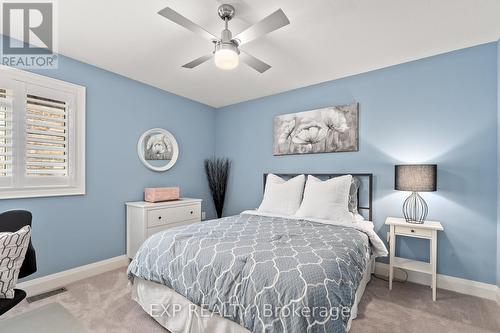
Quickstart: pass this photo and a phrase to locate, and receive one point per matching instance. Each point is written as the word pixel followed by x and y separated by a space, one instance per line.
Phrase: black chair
pixel 12 221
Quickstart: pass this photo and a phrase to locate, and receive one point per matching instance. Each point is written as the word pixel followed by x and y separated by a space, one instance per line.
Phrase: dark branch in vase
pixel 217 170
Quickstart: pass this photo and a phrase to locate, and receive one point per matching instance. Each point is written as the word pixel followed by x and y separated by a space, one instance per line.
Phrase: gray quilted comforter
pixel 268 274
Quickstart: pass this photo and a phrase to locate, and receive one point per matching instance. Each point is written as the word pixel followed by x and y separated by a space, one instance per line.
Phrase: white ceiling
pixel 327 39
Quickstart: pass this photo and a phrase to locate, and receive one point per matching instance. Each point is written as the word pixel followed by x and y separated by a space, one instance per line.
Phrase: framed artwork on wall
pixel 326 130
pixel 158 149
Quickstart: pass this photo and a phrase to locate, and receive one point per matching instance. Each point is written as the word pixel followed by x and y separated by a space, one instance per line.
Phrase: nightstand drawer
pixel 413 231
pixel 158 217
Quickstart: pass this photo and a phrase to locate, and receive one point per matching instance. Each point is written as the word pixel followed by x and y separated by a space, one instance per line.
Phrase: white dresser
pixel 145 219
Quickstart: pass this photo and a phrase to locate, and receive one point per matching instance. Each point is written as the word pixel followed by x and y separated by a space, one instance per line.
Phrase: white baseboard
pixel 61 279
pixel 498 296
pixel 463 286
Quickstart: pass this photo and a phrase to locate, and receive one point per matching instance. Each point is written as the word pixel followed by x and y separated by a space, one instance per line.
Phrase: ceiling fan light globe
pixel 226 59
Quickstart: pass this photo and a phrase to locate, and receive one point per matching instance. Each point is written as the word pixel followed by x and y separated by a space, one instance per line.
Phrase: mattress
pixel 263 273
pixel 177 314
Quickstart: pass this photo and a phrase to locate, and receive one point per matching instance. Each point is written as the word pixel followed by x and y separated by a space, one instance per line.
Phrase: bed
pixel 258 272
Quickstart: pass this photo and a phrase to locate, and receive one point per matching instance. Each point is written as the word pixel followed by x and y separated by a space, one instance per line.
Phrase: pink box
pixel 157 194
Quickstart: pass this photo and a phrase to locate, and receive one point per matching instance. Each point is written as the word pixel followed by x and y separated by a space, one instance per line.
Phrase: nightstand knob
pixel 191 212
pixel 412 230
pixel 159 218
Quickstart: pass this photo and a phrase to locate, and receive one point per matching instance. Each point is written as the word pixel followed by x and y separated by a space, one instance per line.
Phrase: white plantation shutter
pixel 42 136
pixel 46 137
pixel 5 136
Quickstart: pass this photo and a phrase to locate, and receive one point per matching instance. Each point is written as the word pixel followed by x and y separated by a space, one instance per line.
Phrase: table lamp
pixel 415 178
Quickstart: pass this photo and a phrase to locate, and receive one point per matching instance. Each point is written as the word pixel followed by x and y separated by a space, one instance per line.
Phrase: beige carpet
pixel 103 305
pixel 49 318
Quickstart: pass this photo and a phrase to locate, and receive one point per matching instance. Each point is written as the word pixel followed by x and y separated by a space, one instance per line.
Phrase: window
pixel 42 136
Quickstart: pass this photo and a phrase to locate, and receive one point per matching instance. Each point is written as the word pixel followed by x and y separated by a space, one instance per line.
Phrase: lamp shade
pixel 415 177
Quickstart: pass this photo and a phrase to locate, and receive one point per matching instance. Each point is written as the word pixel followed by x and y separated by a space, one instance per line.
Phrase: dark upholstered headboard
pixel 365 192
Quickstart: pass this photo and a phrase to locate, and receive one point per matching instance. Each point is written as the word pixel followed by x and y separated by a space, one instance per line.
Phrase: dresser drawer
pixel 412 231
pixel 162 216
pixel 154 230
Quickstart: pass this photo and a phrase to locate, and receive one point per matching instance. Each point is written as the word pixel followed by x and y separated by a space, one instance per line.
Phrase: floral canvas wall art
pixel 326 130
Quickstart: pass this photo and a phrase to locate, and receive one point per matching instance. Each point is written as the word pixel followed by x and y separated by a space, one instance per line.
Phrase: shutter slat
pixel 39 147
pixel 32 131
pixel 47 138
pixel 33 108
pixel 36 100
pixel 29 155
pixel 50 119
pixel 48 164
pixel 6 104
pixel 46 168
pixel 34 139
pixel 45 127
pixel 40 171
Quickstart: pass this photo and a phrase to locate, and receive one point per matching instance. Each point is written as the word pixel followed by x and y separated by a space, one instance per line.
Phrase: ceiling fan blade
pixel 253 62
pixel 198 61
pixel 272 22
pixel 175 17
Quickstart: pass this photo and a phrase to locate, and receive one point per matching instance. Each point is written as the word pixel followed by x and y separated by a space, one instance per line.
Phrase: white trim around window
pixel 42 136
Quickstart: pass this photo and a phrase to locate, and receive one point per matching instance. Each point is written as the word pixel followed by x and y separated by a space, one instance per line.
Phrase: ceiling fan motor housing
pixel 226 12
pixel 227 46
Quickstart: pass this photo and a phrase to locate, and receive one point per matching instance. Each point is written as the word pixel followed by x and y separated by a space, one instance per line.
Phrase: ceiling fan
pixel 227 52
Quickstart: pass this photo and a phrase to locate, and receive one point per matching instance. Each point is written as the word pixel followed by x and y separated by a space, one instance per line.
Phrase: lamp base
pixel 415 209
pixel 414 222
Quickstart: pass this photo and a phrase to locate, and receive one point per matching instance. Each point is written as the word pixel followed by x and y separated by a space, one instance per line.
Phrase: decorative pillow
pixel 353 195
pixel 328 200
pixel 13 246
pixel 281 196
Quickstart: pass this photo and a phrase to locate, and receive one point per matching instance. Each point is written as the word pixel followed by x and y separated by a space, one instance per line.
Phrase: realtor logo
pixel 28 34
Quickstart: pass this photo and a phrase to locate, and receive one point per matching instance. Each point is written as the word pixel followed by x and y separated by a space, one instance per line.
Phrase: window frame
pixel 76 137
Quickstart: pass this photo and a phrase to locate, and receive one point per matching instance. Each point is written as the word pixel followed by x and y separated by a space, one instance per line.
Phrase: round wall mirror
pixel 158 149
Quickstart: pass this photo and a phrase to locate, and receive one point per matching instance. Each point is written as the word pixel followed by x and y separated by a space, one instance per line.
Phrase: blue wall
pixel 441 110
pixel 498 162
pixel 73 231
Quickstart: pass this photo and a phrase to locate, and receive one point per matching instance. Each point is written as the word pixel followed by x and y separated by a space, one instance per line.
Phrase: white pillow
pixel 358 217
pixel 328 200
pixel 281 196
pixel 13 246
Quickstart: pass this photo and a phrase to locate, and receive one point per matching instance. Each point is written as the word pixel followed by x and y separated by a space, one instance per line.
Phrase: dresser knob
pixel 159 217
pixel 191 212
pixel 412 230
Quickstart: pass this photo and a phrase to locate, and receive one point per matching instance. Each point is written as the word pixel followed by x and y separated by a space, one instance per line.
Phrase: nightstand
pixel 427 230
